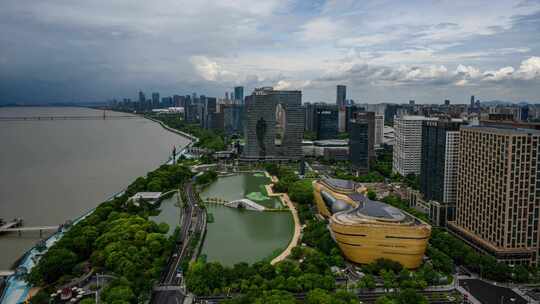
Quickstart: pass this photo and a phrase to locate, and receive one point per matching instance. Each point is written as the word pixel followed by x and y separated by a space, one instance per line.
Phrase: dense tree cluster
pixel 207 177
pixel 165 178
pixel 117 238
pixel 316 235
pixel 370 177
pixel 208 139
pixel 316 296
pixel 301 192
pixel 213 278
pixel 487 266
pixel 383 165
pixel 394 275
pixel 405 296
pixel 287 177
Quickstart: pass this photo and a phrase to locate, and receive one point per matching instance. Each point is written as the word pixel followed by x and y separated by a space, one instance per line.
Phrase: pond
pixel 244 185
pixel 239 235
pixel 169 212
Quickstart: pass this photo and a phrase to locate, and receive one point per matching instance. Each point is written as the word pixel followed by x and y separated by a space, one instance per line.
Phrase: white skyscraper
pixel 408 147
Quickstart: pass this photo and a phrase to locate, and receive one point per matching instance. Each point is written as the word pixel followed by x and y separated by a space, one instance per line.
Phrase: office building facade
pixel 263 140
pixel 407 154
pixel 326 122
pixel 498 199
pixel 391 111
pixel 155 100
pixel 379 129
pixel 233 119
pixel 358 146
pixel 239 94
pixel 439 164
pixel 341 95
pixel 438 137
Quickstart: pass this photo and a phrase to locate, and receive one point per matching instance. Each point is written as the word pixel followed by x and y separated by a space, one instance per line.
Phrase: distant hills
pixel 506 103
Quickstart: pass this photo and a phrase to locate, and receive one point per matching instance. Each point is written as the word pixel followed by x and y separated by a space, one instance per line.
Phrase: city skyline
pixel 382 51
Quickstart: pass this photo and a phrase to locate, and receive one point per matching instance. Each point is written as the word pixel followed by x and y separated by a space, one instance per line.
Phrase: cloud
pixel 529 71
pixel 96 50
pixel 320 29
pixel 210 70
pixel 291 84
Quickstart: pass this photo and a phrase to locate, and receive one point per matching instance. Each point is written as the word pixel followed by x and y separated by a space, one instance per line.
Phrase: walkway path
pixel 297 228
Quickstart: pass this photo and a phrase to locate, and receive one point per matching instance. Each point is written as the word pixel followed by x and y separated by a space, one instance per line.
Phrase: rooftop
pixel 381 210
pixel 373 210
pixel 339 183
pixel 331 142
pixel 504 130
pixel 417 117
pixel 147 195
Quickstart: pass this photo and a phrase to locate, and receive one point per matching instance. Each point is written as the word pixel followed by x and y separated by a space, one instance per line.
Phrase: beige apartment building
pixel 497 206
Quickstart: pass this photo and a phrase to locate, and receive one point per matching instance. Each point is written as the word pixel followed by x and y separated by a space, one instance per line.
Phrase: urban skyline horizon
pixel 490 101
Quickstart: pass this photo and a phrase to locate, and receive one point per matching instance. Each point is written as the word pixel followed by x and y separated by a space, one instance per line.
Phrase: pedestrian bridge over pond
pixel 240 203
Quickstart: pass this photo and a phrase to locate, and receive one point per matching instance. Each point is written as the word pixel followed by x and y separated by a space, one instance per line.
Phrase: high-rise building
pixel 166 102
pixel 233 118
pixel 141 105
pixel 326 122
pixel 263 139
pixel 342 119
pixel 498 197
pixel 438 170
pixel 368 117
pixel 391 111
pixel 447 102
pixel 379 129
pixel 359 146
pixel 178 101
pixel 407 154
pixel 190 110
pixel 216 121
pixel 142 98
pixel 472 101
pixel 209 107
pixel 350 114
pixel 239 94
pixel 155 100
pixel 341 95
pixel 309 116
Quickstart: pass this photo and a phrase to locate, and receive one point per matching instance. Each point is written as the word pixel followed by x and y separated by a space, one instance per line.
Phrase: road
pixel 169 290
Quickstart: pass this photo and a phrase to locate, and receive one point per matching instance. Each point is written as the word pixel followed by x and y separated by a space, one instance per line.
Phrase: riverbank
pixel 181 133
pixel 17 289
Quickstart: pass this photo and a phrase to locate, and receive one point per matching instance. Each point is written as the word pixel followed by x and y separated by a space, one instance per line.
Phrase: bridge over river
pixel 46 118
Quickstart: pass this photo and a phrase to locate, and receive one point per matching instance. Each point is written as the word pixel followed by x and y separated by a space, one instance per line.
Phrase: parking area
pixel 487 293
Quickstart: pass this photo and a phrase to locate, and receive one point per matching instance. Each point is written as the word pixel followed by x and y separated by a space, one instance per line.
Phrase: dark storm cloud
pixel 70 50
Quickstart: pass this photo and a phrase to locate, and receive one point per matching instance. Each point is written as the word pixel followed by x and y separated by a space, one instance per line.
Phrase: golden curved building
pixel 366 230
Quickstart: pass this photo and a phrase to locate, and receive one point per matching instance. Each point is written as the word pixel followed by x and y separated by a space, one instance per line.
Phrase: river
pixel 53 171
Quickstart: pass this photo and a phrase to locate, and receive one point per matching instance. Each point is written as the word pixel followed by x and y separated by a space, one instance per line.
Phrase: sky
pixel 384 51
